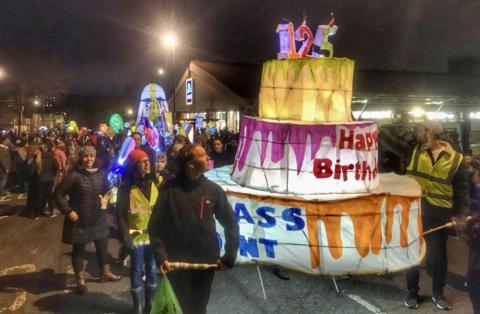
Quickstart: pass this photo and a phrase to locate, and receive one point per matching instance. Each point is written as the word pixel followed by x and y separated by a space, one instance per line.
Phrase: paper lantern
pixel 151 136
pixel 321 38
pixel 300 34
pixel 152 102
pixel 127 147
pixel 72 126
pixel 335 235
pixel 307 159
pixel 287 37
pixel 284 40
pixel 116 122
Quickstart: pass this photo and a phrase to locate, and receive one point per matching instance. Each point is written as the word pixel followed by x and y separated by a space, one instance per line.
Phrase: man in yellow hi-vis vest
pixel 442 174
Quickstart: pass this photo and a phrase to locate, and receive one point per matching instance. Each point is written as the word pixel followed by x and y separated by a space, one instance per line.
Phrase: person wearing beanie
pixel 443 177
pixel 136 198
pixel 87 189
pixel 60 156
pixel 182 228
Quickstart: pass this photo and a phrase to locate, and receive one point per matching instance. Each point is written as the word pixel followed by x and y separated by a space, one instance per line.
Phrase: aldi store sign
pixel 189 91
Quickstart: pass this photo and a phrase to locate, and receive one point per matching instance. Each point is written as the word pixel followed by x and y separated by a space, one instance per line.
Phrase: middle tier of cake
pixel 303 159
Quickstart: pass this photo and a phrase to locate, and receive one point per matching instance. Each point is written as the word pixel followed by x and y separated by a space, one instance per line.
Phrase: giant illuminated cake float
pixel 305 184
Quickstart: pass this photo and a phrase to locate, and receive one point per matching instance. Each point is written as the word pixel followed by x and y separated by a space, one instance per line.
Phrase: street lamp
pixel 417 112
pixel 170 42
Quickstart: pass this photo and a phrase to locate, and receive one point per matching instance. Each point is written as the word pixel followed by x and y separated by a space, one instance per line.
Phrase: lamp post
pixel 170 42
pixel 22 107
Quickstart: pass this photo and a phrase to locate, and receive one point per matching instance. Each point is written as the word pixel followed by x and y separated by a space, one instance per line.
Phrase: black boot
pixel 137 303
pixel 149 295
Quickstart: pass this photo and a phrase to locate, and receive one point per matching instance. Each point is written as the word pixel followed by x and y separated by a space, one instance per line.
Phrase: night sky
pixel 111 47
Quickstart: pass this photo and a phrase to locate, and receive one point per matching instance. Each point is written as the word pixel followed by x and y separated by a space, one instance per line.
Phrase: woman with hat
pixel 136 198
pixel 87 190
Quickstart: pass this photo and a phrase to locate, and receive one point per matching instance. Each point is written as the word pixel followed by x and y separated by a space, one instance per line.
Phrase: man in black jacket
pixel 182 228
pixel 442 174
pixel 472 235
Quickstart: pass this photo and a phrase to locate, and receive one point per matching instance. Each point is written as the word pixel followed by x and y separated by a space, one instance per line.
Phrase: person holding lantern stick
pixel 182 229
pixel 443 177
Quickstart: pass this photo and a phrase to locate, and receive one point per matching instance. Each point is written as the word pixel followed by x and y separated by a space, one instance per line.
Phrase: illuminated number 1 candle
pixel 293 51
pixel 284 40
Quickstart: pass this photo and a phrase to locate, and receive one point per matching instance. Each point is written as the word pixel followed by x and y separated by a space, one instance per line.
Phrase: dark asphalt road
pixel 36 277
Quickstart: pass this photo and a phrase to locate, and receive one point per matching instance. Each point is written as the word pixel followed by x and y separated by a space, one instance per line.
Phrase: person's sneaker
pixel 440 302
pixel 411 301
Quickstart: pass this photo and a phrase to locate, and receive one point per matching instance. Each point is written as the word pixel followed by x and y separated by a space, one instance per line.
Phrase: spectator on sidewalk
pixel 46 168
pixel 60 155
pixel 20 162
pixel 219 156
pixel 5 162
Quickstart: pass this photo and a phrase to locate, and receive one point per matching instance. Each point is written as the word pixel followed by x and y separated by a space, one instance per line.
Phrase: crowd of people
pixel 166 207
pixel 76 174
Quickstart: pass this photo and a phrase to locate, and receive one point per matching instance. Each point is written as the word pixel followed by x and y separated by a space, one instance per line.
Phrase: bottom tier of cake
pixel 347 234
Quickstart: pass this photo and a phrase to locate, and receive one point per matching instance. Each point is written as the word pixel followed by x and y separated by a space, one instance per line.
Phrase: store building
pixel 223 92
pixel 220 92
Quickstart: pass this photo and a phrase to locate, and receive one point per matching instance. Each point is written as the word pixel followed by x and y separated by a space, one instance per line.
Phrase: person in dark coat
pixel 473 240
pixel 46 168
pixel 468 229
pixel 219 156
pixel 86 187
pixel 182 228
pixel 5 162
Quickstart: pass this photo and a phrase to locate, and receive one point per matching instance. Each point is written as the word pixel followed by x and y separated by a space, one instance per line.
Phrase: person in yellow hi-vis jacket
pixel 442 174
pixel 136 198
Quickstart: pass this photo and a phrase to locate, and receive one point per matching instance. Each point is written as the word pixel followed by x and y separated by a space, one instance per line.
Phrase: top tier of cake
pixel 311 90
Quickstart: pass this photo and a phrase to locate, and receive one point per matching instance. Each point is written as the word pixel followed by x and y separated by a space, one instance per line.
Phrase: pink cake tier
pixel 304 159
